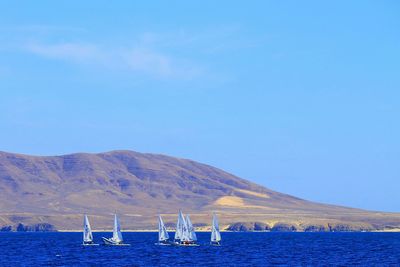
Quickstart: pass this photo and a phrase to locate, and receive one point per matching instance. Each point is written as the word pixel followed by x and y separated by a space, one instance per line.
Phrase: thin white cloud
pixel 210 41
pixel 149 61
pixel 67 51
pixel 137 59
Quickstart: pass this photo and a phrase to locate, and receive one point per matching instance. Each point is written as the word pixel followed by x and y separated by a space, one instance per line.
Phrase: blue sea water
pixel 238 249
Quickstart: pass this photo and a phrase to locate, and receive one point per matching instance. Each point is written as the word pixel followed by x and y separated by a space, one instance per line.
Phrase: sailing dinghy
pixel 163 237
pixel 180 225
pixel 87 233
pixel 185 235
pixel 116 239
pixel 191 234
pixel 215 234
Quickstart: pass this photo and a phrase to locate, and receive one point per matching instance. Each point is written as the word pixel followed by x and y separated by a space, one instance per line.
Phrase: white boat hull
pixel 185 244
pixel 110 242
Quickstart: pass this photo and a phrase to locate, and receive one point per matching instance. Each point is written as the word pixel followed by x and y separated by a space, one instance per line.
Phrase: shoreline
pixel 397 230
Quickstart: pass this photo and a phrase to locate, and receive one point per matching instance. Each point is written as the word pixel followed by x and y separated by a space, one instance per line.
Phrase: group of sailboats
pixel 184 233
pixel 115 240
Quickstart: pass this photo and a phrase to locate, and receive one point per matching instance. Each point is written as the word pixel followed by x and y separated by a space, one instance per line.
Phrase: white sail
pixel 215 234
pixel 180 226
pixel 87 230
pixel 185 231
pixel 162 230
pixel 190 229
pixel 117 235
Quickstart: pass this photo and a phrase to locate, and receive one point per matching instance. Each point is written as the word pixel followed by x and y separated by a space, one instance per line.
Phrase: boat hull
pixel 187 244
pixel 110 242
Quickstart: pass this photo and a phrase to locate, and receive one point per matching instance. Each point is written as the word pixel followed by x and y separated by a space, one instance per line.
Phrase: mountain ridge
pixel 58 189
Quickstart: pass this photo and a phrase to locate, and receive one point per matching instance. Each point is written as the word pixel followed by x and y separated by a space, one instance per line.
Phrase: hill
pixel 57 190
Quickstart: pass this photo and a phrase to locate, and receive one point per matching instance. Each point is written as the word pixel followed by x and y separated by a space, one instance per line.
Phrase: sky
pixel 299 96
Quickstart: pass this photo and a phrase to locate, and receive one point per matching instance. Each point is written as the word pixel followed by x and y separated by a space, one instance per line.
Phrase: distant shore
pixel 395 230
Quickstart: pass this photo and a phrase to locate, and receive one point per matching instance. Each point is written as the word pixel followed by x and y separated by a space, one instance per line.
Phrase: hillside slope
pixel 59 189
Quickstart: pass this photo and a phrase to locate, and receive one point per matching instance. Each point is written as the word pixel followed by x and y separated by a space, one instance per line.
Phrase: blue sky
pixel 299 96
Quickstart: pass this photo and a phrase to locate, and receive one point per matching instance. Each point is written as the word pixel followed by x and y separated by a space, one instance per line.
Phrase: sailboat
pixel 190 230
pixel 215 234
pixel 180 225
pixel 163 237
pixel 116 239
pixel 87 233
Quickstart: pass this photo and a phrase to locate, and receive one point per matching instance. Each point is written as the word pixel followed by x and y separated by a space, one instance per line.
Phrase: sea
pixel 237 249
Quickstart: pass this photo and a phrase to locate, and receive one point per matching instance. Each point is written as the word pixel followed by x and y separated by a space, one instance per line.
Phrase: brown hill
pixel 59 189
